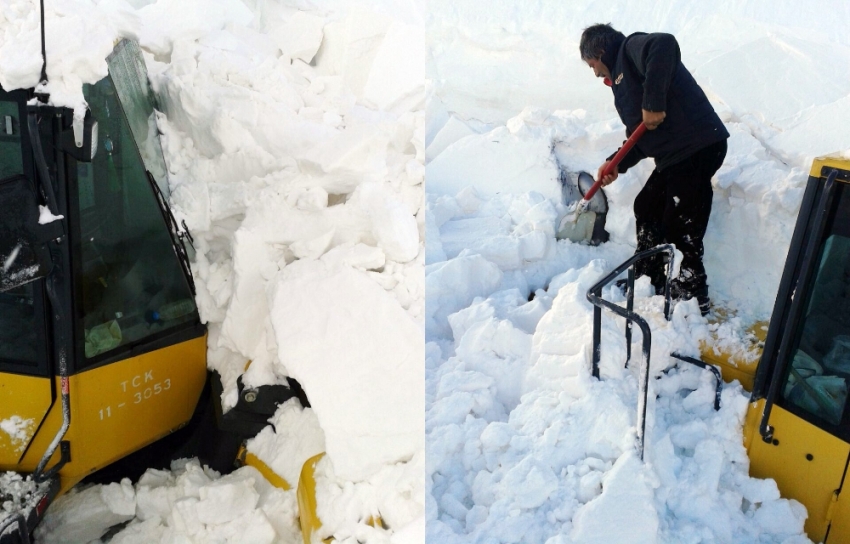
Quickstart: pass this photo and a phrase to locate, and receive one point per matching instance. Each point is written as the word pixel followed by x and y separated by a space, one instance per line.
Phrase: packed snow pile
pixel 523 445
pixel 302 186
pixel 19 431
pixel 294 138
pixel 186 504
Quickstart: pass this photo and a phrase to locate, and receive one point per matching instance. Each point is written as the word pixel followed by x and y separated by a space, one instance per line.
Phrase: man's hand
pixel 609 179
pixel 653 118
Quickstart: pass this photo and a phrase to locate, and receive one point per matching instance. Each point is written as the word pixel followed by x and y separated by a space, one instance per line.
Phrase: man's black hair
pixel 597 39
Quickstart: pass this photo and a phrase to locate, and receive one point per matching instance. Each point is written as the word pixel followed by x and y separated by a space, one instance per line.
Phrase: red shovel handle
pixel 612 164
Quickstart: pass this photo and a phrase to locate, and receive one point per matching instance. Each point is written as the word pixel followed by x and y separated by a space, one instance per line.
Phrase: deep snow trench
pixel 523 445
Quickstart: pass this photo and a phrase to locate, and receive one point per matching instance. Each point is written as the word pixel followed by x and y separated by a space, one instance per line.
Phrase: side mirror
pixel 81 141
pixel 23 254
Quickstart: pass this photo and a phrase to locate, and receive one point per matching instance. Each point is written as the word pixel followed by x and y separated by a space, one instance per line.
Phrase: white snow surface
pixel 185 504
pixel 294 137
pixel 523 445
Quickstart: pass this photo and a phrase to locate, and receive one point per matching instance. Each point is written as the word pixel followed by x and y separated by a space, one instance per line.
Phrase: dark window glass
pixel 132 283
pixel 22 341
pixel 818 375
pixel 11 159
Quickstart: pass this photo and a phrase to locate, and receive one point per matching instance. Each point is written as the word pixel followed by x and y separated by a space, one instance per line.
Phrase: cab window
pixel 133 287
pixel 23 348
pixel 129 76
pixel 818 376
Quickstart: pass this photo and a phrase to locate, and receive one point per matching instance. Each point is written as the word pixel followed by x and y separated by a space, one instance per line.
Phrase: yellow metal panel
pixel 273 477
pixel 121 407
pixel 306 493
pixel 839 531
pixel 832 162
pixel 812 482
pixel 735 364
pixel 310 522
pixel 752 421
pixel 27 398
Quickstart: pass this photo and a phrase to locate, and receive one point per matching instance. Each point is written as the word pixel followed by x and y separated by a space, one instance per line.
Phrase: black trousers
pixel 673 207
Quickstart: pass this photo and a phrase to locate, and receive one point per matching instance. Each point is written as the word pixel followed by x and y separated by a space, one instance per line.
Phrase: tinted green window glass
pixel 133 286
pixel 129 75
pixel 11 159
pixel 818 376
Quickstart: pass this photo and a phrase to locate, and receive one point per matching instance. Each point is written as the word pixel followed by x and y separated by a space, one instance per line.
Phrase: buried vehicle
pixel 102 349
pixel 797 427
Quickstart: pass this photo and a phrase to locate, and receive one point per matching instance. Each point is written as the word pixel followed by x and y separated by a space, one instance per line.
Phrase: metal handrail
pixel 594 295
pixel 718 379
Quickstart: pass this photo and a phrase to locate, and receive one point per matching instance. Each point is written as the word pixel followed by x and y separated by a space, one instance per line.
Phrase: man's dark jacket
pixel 648 73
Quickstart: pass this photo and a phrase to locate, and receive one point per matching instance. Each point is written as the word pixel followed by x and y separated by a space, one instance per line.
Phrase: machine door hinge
pixel 833 502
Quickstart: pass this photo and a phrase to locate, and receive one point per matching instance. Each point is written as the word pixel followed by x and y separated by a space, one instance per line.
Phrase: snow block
pixel 392 224
pixel 625 510
pixel 227 499
pixel 86 516
pixel 396 80
pixel 496 162
pixel 451 132
pixel 300 36
pixel 354 155
pixel 358 355
pixel 453 285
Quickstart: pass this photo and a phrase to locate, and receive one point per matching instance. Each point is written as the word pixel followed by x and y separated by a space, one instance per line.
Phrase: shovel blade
pixel 578 228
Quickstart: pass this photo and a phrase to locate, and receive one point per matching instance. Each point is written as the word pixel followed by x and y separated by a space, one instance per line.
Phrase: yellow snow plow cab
pixel 102 351
pixel 797 429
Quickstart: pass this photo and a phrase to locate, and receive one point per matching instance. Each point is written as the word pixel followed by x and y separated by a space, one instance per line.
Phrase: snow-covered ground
pixel 294 137
pixel 522 444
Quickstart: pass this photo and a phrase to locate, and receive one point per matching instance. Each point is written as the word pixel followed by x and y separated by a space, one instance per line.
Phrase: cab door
pixel 26 391
pixel 804 374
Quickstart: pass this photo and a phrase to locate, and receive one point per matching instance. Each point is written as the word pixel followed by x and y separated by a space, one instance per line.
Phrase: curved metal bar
pixel 23 530
pixel 643 372
pixel 46 184
pixel 594 296
pixel 595 293
pixel 799 300
pixel 597 335
pixel 665 248
pixel 58 314
pixel 630 307
pixel 718 379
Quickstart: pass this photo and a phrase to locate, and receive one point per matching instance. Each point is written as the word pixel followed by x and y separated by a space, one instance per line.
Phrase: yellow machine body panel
pixel 248 458
pixel 121 407
pixel 807 463
pixel 307 513
pixel 839 530
pixel 832 162
pixel 735 363
pixel 751 423
pixel 24 401
pixel 308 506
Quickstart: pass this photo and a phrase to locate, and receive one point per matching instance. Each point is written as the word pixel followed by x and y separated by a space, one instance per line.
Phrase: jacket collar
pixel 609 58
